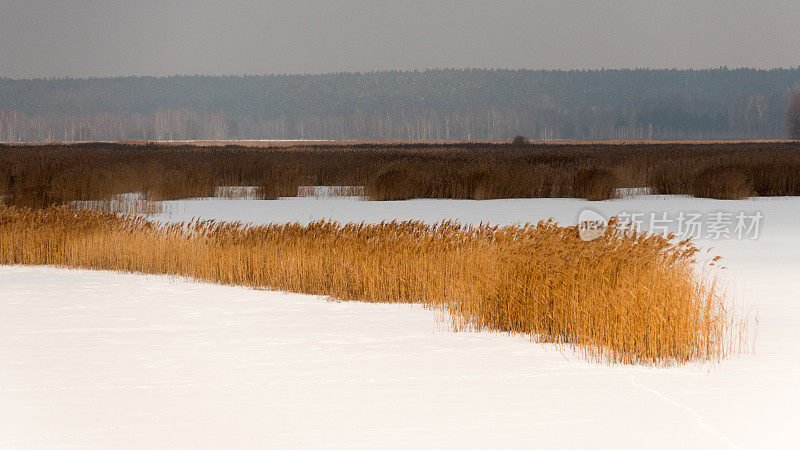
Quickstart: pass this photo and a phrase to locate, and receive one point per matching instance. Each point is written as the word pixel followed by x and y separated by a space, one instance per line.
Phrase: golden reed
pixel 621 298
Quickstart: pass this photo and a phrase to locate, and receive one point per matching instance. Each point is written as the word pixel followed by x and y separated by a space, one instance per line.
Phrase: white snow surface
pixel 110 360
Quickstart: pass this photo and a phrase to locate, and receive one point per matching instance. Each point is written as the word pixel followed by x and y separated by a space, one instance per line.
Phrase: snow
pixel 633 192
pixel 98 359
pixel 330 191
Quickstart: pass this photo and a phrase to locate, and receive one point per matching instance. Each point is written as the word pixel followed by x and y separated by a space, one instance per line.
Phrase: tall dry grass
pixel 620 299
pixel 42 175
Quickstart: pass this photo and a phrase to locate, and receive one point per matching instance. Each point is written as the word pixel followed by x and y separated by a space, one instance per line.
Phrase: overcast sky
pixel 40 38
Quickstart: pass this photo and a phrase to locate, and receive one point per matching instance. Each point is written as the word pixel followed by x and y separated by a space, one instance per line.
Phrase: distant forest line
pixel 445 104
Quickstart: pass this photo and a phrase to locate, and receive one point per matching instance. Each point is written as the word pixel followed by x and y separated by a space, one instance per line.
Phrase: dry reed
pixel 42 175
pixel 621 298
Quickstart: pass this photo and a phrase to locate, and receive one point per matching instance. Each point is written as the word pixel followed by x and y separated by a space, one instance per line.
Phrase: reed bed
pixel 38 176
pixel 622 298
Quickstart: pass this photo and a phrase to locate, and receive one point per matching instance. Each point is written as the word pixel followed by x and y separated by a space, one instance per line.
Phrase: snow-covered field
pixel 97 359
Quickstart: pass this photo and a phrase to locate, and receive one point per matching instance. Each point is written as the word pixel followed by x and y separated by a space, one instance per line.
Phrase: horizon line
pixel 422 70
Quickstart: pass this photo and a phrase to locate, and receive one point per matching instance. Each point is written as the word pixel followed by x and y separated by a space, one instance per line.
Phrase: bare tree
pixel 519 140
pixel 793 116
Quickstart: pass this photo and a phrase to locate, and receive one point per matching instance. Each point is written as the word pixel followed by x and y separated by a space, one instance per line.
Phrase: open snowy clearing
pixel 118 360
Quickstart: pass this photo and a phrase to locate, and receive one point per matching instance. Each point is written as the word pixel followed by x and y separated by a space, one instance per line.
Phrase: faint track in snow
pixel 695 415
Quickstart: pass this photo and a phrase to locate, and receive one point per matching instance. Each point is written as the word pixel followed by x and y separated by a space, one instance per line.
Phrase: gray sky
pixel 41 38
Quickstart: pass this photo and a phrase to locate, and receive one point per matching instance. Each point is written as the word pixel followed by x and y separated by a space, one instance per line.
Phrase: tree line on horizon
pixel 470 104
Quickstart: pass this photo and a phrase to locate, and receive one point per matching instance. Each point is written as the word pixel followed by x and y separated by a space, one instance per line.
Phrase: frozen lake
pixel 98 359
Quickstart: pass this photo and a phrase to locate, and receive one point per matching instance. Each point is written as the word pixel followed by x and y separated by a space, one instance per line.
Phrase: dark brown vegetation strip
pixel 42 175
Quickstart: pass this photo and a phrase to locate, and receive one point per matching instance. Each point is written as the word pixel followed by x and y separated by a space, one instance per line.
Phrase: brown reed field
pixel 623 298
pixel 55 174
